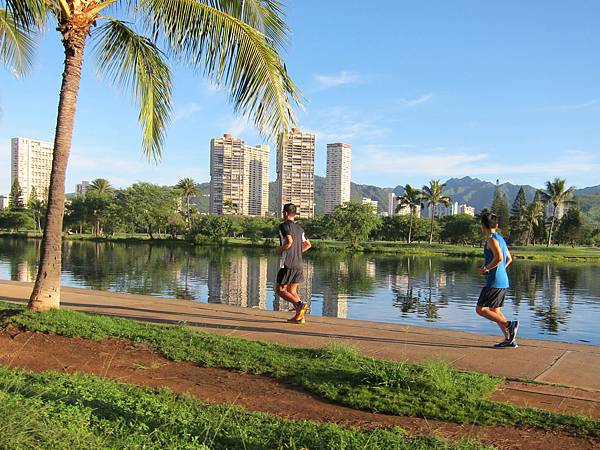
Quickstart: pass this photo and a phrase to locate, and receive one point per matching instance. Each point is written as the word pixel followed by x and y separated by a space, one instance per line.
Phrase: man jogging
pixel 491 299
pixel 293 243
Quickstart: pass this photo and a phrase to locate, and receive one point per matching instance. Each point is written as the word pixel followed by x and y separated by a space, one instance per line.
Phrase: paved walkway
pixel 575 365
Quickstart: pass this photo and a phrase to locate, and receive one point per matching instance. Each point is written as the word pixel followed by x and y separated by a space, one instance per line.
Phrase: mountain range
pixel 472 191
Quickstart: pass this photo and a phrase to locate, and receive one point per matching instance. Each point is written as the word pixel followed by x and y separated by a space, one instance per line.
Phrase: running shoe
pixel 513 327
pixel 295 320
pixel 506 344
pixel 297 308
pixel 301 311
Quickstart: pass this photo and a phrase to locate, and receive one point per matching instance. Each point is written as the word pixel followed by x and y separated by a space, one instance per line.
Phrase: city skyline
pixel 441 107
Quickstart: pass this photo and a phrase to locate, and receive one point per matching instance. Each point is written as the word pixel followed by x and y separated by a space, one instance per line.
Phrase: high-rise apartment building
pixel 31 165
pixel 296 172
pixel 3 201
pixel 239 177
pixel 256 183
pixel 337 181
pixel 392 203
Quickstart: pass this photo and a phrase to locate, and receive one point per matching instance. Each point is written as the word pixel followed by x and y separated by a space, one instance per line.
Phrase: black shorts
pixel 289 275
pixel 491 297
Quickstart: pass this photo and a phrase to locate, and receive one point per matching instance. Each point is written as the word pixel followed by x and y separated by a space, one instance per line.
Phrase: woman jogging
pixel 491 299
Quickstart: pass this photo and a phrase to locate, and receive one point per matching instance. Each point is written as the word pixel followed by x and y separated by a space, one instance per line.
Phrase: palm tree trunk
pixel 46 291
pixel 189 220
pixel 551 226
pixel 410 227
pixel 431 226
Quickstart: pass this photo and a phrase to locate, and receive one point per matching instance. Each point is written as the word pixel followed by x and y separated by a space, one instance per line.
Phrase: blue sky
pixel 434 89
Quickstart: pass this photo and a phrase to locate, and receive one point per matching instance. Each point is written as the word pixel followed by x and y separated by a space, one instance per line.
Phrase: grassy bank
pixel 52 410
pixel 339 374
pixel 539 252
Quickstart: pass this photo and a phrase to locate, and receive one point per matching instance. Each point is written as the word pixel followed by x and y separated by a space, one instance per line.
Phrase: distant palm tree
pixel 434 195
pixel 100 186
pixel 236 44
pixel 534 215
pixel 230 207
pixel 557 195
pixel 410 199
pixel 188 188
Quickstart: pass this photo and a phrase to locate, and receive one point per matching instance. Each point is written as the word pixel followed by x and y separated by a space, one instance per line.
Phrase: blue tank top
pixel 497 277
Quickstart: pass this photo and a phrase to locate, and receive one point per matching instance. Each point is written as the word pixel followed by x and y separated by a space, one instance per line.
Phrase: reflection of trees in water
pixel 545 288
pixel 419 287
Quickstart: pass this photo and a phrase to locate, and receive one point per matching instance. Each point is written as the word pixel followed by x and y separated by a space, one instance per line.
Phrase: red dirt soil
pixel 121 361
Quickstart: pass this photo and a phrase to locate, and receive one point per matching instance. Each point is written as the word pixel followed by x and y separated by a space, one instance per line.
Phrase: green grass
pixel 336 373
pixel 538 252
pixel 51 410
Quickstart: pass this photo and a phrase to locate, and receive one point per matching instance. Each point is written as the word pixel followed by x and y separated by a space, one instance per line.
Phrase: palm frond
pixel 266 16
pixel 231 53
pixel 17 44
pixel 29 14
pixel 133 62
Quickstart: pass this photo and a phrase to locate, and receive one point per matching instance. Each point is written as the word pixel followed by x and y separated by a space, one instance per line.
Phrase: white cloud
pixel 573 106
pixel 334 80
pixel 421 100
pixel 339 123
pixel 188 110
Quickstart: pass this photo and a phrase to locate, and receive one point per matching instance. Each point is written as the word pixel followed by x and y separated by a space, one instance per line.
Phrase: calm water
pixel 552 301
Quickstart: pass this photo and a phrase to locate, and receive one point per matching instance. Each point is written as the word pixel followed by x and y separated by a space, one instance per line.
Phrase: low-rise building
pixel 466 209
pixel 3 201
pixel 80 188
pixel 369 201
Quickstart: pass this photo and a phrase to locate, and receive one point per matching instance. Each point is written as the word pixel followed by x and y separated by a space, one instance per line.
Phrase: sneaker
pixel 296 321
pixel 506 344
pixel 513 327
pixel 297 308
pixel 301 311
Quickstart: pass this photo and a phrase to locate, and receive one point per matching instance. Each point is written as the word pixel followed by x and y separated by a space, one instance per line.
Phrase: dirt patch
pixel 553 398
pixel 122 361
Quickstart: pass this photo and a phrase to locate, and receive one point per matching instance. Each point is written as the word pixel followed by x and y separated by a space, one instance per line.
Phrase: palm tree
pixel 16 43
pixel 236 44
pixel 230 207
pixel 100 186
pixel 558 195
pixel 534 214
pixel 410 199
pixel 434 195
pixel 188 189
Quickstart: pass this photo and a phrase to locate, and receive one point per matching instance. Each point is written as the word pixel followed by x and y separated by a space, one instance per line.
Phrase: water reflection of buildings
pixel 257 283
pixel 24 272
pixel 335 300
pixel 335 303
pixel 239 282
pixel 305 290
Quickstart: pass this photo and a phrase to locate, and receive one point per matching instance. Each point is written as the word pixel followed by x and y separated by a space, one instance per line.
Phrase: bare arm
pixel 289 240
pixel 306 245
pixel 509 258
pixel 495 248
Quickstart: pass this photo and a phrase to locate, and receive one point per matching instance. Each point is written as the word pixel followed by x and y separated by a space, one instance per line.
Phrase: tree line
pixel 163 211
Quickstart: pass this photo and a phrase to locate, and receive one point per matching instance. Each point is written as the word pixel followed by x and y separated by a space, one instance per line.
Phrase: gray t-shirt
pixel 292 258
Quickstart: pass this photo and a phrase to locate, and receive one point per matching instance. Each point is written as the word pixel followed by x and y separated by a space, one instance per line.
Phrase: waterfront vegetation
pixel 336 373
pixel 144 210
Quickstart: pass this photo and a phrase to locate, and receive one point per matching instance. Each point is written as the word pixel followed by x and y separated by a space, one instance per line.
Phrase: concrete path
pixel 574 365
